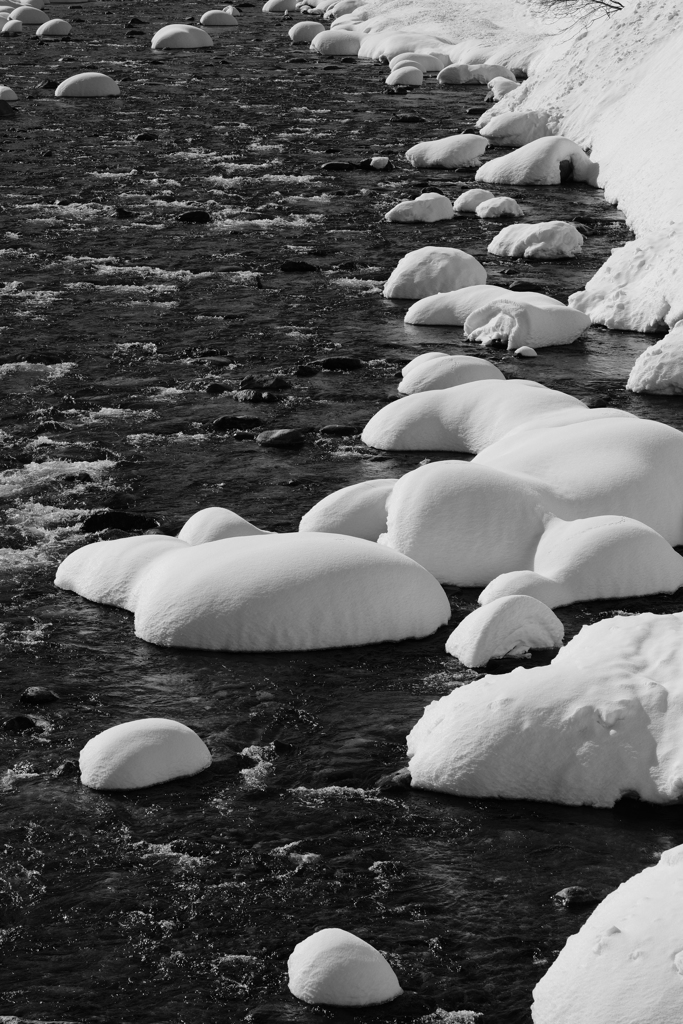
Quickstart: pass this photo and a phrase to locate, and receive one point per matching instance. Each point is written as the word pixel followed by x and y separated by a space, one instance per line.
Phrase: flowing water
pixel 123 338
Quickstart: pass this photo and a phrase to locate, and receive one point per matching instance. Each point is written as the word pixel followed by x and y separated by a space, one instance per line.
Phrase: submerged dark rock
pixel 397 780
pixel 298 267
pixel 195 217
pixel 281 438
pixel 575 896
pixel 340 363
pixel 112 519
pixel 339 430
pixel 38 695
pixel 66 770
pixel 20 724
pixel 227 422
pixel 6 109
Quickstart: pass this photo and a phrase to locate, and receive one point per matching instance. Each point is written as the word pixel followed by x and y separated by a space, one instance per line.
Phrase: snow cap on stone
pixel 409 76
pixel 546 161
pixel 54 27
pixel 553 239
pixel 334 967
pixel 428 207
pixel 88 84
pixel 180 37
pixel 7 94
pixel 305 31
pixel 29 16
pixel 470 199
pixel 427 62
pixel 359 510
pixel 514 128
pixel 218 19
pixel 433 269
pixel 452 151
pixel 278 6
pixel 501 206
pixel 211 524
pixel 659 369
pixel 436 370
pixel 500 87
pixel 12 27
pixel 506 628
pixel 525 318
pixel 142 753
pixel 336 43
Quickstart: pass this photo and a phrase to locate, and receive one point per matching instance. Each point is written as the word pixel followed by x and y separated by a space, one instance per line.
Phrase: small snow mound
pixel 508 627
pixel 514 128
pixel 180 37
pixel 433 269
pixel 56 27
pixel 88 84
pixel 7 94
pixel 11 28
pixel 546 161
pixel 336 43
pixel 659 369
pixel 428 207
pixel 470 199
pixel 359 510
pixel 334 967
pixel 500 87
pixel 278 6
pixel 305 31
pixel 410 76
pixel 216 19
pixel 29 16
pixel 526 352
pixel 427 62
pixel 452 151
pixel 501 206
pixel 436 370
pixel 551 240
pixel 142 753
pixel 211 524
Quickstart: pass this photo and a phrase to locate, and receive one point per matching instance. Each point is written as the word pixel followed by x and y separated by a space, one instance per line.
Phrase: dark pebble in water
pixel 66 770
pixel 194 217
pixel 47 83
pixel 306 370
pixel 135 21
pixel 6 110
pixel 298 267
pixel 277 383
pixel 280 438
pixel 566 171
pixel 521 284
pixel 214 388
pixel 575 896
pixel 366 165
pixel 432 188
pixel 244 435
pixel 407 118
pixel 123 214
pixel 37 695
pixel 477 110
pixel 338 165
pixel 113 520
pixel 227 422
pixel 397 780
pixel 339 430
pixel 21 723
pixel 249 395
pixel 340 363
pixel 146 137
pixel 469 131
pixel 133 32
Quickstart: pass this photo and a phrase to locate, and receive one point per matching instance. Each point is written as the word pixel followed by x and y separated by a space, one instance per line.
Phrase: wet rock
pixel 249 395
pixel 281 438
pixel 338 165
pixel 135 21
pixel 307 370
pixel 6 109
pixel 146 137
pixel 112 519
pixel 339 430
pixel 20 724
pixel 387 868
pixel 376 163
pixel 214 388
pixel 566 171
pixel 575 896
pixel 477 110
pixel 521 284
pixel 340 363
pixel 195 217
pixel 228 422
pixel 66 770
pixel 298 267
pixel 47 83
pixel 244 435
pixel 277 383
pixel 133 32
pixel 397 780
pixel 123 214
pixel 38 695
pixel 406 117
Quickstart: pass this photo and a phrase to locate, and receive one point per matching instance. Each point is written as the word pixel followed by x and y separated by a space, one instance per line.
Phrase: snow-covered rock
pixel 453 151
pixel 359 510
pixel 500 87
pixel 29 16
pixel 278 6
pixel 451 309
pixel 546 161
pixel 305 31
pixel 550 240
pixel 427 62
pixel 528 319
pixel 88 84
pixel 455 74
pixel 501 206
pixel 514 128
pixel 470 199
pixel 7 94
pixel 660 368
pixel 55 27
pixel 215 523
pixel 436 370
pixel 625 962
pixel 336 43
pixel 486 73
pixel 526 352
pixel 12 27
pixel 334 967
pixel 180 37
pixel 142 753
pixel 433 269
pixel 218 19
pixel 428 207
pixel 508 627
pixel 405 75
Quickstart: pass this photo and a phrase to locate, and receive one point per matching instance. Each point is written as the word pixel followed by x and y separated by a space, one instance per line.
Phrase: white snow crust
pixel 433 269
pixel 142 753
pixel 550 240
pixel 659 369
pixel 334 967
pixel 452 151
pixel 508 627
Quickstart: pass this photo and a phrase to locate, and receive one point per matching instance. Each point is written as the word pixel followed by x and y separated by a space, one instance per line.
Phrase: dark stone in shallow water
pixel 397 780
pixel 21 723
pixel 477 110
pixel 66 770
pixel 339 430
pixel 38 695
pixel 194 217
pixel 214 388
pixel 306 370
pixel 249 395
pixel 338 165
pixel 146 137
pixel 520 284
pixel 6 110
pixel 405 117
pixel 340 363
pixel 298 267
pixel 111 519
pixel 227 422
pixel 123 214
pixel 281 438
pixel 276 383
pixel 575 896
pixel 47 83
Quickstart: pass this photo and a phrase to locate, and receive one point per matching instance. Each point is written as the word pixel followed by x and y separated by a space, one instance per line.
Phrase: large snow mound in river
pixel 553 239
pixel 604 719
pixel 432 269
pixel 660 368
pixel 508 627
pixel 547 161
pixel 625 963
pixel 336 968
pixel 453 151
pixel 142 753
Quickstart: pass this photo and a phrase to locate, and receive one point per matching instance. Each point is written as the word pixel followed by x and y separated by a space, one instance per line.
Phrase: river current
pixel 123 337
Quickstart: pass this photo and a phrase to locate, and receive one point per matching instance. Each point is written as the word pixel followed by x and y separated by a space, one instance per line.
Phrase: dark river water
pixel 181 903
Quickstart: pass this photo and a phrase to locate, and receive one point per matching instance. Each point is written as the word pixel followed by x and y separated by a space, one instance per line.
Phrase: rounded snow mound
pixel 7 94
pixel 180 37
pixel 514 128
pixel 500 87
pixel 218 19
pixel 29 16
pixel 55 27
pixel 305 31
pixel 336 43
pixel 410 76
pixel 506 628
pixel 211 524
pixel 437 370
pixel 470 199
pixel 551 240
pixel 525 319
pixel 11 28
pixel 453 151
pixel 625 963
pixel 359 510
pixel 428 207
pixel 659 369
pixel 336 968
pixel 546 161
pixel 278 6
pixel 88 84
pixel 428 63
pixel 142 753
pixel 433 269
pixel 468 74
pixel 501 206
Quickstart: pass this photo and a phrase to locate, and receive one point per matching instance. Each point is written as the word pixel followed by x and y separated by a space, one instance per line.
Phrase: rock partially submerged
pixel 336 968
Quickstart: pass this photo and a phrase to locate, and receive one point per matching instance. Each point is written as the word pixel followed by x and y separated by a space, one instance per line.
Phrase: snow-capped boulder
pixel 180 37
pixel 429 207
pixel 215 523
pixel 336 43
pixel 659 369
pixel 453 151
pixel 404 75
pixel 433 269
pixel 305 31
pixel 604 719
pixel 218 19
pixel 468 74
pixel 451 309
pixel 7 94
pixel 54 28
pixel 11 27
pixel 142 753
pixel 528 319
pixel 470 199
pixel 506 628
pixel 88 84
pixel 359 510
pixel 486 73
pixel 625 962
pixel 455 74
pixel 500 87
pixel 514 128
pixel 526 352
pixel 436 370
pixel 29 16
pixel 278 6
pixel 551 240
pixel 546 161
pixel 501 206
pixel 334 967
pixel 427 62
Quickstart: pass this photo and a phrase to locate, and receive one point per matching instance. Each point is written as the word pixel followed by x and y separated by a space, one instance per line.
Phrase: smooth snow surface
pixel 604 719
pixel 334 967
pixel 512 128
pixel 216 524
pixel 451 308
pixel 553 239
pixel 500 87
pixel 54 27
pixel 218 18
pixel 547 161
pixel 358 510
pixel 334 43
pixel 453 151
pixel 433 269
pixel 11 28
pixel 29 16
pixel 470 199
pixel 439 370
pixel 305 31
pixel 180 37
pixel 429 207
pixel 88 84
pixel 494 209
pixel 278 6
pixel 660 368
pixel 508 627
pixel 625 963
pixel 427 62
pixel 142 753
pixel 406 76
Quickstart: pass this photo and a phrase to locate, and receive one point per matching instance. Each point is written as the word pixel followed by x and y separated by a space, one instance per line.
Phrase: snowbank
pixel 660 368
pixel 334 967
pixel 433 269
pixel 142 753
pixel 604 719
pixel 625 963
pixel 508 627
